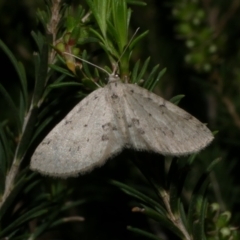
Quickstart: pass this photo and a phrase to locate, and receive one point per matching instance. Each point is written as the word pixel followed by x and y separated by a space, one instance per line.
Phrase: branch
pixel 175 220
pixel 52 26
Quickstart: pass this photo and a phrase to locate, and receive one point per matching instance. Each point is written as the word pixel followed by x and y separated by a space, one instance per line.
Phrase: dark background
pixel 212 95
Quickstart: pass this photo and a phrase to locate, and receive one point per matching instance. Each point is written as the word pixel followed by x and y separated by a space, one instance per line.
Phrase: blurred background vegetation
pixel 198 42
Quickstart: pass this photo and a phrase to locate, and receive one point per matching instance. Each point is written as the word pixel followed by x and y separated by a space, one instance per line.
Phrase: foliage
pixel 169 198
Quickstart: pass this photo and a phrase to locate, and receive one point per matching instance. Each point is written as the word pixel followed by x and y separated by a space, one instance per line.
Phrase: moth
pixel 117 116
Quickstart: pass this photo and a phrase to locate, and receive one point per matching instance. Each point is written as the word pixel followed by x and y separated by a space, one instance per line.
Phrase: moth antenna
pixel 125 49
pixel 116 66
pixel 87 62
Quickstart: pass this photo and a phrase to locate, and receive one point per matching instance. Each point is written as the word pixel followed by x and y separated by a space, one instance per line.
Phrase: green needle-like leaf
pixel 65 84
pixel 19 69
pixel 135 2
pixel 61 70
pixel 12 106
pixel 135 72
pixel 146 234
pixel 41 77
pixel 148 84
pixel 155 82
pixel 120 11
pixel 176 99
pixel 137 39
pixel 133 192
pixel 142 71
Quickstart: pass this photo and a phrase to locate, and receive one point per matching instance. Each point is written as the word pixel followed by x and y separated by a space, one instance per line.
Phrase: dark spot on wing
pixel 167 148
pixel 188 116
pixel 200 125
pixel 149 114
pixel 162 108
pixel 46 143
pixel 129 125
pixel 79 110
pixel 114 96
pixel 167 132
pixel 95 97
pixel 114 128
pixel 78 148
pixel 88 140
pixel 106 126
pixel 163 104
pixel 67 122
pixel 135 121
pixel 116 84
pixel 132 91
pixel 69 149
pixel 141 131
pixel 105 138
pixel 163 131
pixel 128 145
pixel 85 125
pixel 149 98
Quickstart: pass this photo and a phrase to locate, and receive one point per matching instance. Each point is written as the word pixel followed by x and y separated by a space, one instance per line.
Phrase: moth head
pixel 113 78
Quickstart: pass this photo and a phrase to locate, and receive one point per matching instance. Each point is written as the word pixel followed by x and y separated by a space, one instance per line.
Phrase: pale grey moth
pixel 112 118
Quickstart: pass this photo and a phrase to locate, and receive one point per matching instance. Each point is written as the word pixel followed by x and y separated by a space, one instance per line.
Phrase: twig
pixel 175 220
pixel 52 26
pixel 9 183
pixel 10 178
pixel 73 219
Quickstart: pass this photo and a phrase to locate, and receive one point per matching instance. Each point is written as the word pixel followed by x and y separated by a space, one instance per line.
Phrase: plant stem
pixel 52 28
pixel 176 220
pixel 10 178
pixel 9 181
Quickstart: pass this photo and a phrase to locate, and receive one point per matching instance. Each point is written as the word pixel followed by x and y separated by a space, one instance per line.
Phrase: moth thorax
pixel 113 78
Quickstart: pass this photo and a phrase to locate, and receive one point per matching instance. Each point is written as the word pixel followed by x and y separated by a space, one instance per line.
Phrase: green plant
pixel 31 206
